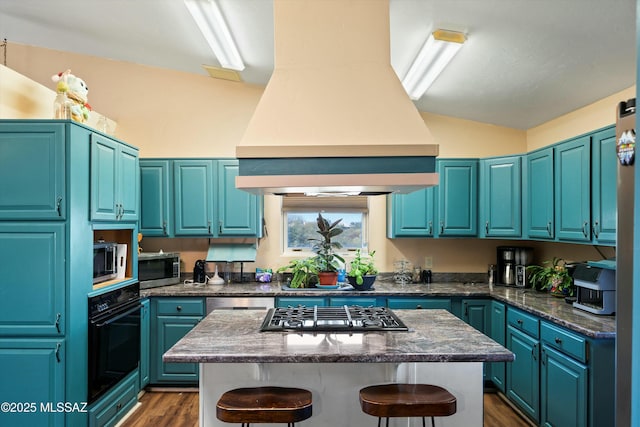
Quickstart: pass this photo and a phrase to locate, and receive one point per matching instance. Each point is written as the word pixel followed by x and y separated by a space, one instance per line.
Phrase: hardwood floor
pixel 180 409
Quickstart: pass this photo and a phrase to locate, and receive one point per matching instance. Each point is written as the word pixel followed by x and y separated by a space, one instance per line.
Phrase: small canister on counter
pixel 492 274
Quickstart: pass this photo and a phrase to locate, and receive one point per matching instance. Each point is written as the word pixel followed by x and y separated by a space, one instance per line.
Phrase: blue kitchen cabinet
pixel 497 370
pixel 114 405
pixel 171 320
pixel 33 155
pixel 573 189
pixel 238 211
pixel 477 313
pixel 604 164
pixel 457 197
pixel 563 379
pixel 538 198
pixel 523 374
pixel 33 373
pixel 411 215
pixel 155 198
pixel 34 264
pixel 418 303
pixel 193 192
pixel 145 335
pixel 361 301
pixel 500 204
pixel 114 180
pixel 300 301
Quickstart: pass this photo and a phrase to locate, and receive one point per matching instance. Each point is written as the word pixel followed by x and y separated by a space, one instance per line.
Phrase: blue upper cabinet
pixel 500 197
pixel 238 211
pixel 411 215
pixel 458 197
pixel 155 198
pixel 114 180
pixel 33 155
pixel 538 201
pixel 604 186
pixel 193 191
pixel 573 189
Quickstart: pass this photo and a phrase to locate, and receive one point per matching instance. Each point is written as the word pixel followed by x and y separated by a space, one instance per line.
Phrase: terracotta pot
pixel 328 278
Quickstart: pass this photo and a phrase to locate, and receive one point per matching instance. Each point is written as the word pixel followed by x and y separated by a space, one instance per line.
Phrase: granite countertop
pixel 228 336
pixel 538 303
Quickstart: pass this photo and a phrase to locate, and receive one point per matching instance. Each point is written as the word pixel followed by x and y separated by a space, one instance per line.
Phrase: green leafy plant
pixel 554 277
pixel 326 257
pixel 361 266
pixel 304 272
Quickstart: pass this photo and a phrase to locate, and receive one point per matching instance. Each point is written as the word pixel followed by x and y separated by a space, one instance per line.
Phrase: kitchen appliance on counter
pixel 332 319
pixel 595 289
pixel 158 269
pixel 512 265
pixel 105 266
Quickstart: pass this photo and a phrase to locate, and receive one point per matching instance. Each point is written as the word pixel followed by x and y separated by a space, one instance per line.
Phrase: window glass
pixel 300 226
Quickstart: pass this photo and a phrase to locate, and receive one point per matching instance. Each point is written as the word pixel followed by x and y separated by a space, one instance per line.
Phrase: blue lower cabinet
pixel 298 301
pixel 419 303
pixel 523 374
pixel 362 301
pixel 145 330
pixel 497 372
pixel 33 373
pixel 114 405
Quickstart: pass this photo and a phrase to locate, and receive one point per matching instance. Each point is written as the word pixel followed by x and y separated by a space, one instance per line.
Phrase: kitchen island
pixel 438 349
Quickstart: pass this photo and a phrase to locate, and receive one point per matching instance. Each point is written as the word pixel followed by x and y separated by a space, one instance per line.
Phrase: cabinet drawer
pixel 564 341
pixel 418 303
pixel 180 307
pixel 523 321
pixel 114 405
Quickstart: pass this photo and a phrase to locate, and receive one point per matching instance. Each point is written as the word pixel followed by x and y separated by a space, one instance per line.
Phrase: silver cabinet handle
pixel 549 228
pixel 585 229
pixel 58 205
pixel 58 322
pixel 58 352
pixel 486 227
pixel 430 229
pixel 534 350
pixel 596 229
pixel 164 227
pixel 558 340
pixel 219 227
pixel 441 227
pixel 209 227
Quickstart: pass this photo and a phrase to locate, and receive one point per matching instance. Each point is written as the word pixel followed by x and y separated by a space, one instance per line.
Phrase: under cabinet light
pixel 211 23
pixel 436 53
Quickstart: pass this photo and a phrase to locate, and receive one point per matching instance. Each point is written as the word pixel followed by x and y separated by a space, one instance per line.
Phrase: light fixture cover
pixel 436 53
pixel 210 21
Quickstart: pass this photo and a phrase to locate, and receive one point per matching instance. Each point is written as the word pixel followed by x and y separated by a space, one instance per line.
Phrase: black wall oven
pixel 114 338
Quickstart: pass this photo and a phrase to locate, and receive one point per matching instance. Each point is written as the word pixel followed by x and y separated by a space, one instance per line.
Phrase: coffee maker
pixel 512 265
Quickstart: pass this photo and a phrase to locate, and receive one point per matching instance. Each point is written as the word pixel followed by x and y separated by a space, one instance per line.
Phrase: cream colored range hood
pixel 334 119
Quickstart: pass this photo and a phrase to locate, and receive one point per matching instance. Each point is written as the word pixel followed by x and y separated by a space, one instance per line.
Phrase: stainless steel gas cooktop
pixel 332 319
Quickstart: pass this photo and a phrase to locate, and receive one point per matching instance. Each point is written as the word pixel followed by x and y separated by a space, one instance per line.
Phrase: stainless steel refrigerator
pixel 625 375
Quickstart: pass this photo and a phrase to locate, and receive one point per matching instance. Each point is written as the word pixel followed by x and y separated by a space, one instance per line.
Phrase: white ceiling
pixel 525 61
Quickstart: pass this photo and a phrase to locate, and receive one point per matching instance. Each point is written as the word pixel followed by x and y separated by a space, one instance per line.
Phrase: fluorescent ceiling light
pixel 211 23
pixel 438 50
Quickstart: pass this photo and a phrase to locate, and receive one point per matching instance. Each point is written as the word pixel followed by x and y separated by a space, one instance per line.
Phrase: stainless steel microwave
pixel 158 269
pixel 104 261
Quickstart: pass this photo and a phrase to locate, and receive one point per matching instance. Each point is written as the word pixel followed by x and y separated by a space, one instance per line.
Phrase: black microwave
pixel 158 269
pixel 104 261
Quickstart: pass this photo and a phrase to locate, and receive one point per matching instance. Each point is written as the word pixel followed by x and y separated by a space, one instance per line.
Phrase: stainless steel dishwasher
pixel 239 303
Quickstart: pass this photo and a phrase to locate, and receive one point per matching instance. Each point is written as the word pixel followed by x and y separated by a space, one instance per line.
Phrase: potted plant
pixel 555 277
pixel 362 271
pixel 304 272
pixel 326 257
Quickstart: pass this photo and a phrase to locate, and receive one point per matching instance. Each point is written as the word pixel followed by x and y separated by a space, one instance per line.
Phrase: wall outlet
pixel 428 262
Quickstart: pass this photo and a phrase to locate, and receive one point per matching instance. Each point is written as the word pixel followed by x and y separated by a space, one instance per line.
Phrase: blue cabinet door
pixel 300 301
pixel 458 197
pixel 500 197
pixel 169 330
pixel 128 175
pixel 573 189
pixel 32 288
pixel 497 370
pixel 33 372
pixel 604 187
pixel 145 330
pixel 411 215
pixel 538 200
pixel 419 303
pixel 33 155
pixel 237 210
pixel 193 192
pixel 564 390
pixel 523 374
pixel 361 301
pixel 155 198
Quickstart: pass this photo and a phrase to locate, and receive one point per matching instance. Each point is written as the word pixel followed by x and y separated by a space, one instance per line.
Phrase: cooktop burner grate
pixel 332 319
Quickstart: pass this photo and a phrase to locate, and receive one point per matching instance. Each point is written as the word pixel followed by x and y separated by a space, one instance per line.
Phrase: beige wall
pixel 173 114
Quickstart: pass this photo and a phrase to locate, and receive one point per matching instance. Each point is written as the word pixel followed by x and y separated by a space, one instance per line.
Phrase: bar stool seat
pixel 407 400
pixel 264 405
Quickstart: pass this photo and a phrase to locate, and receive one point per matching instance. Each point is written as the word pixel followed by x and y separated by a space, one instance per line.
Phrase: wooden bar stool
pixel 264 405
pixel 407 400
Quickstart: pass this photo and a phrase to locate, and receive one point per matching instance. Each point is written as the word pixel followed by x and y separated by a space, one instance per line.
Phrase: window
pixel 299 221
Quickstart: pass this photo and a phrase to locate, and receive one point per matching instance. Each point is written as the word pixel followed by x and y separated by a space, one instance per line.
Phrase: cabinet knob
pixel 519 321
pixel 558 340
pixel 418 307
pixel 179 308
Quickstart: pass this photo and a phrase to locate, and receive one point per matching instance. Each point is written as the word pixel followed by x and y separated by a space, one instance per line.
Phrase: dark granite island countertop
pixel 438 349
pixel 434 336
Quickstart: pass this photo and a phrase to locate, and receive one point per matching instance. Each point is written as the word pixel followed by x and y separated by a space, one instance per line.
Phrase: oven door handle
pixel 120 316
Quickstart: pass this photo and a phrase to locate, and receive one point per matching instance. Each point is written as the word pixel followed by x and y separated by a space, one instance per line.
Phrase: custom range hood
pixel 334 119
